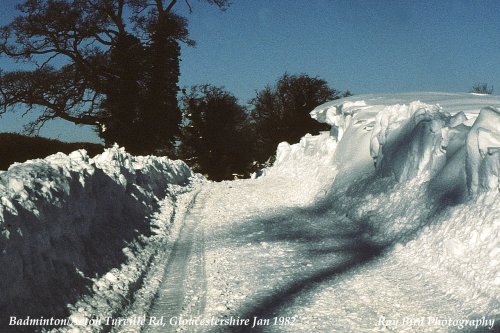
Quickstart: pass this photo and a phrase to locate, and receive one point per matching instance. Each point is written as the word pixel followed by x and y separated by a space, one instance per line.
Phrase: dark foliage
pixel 111 64
pixel 142 109
pixel 19 148
pixel 281 113
pixel 217 136
pixel 481 88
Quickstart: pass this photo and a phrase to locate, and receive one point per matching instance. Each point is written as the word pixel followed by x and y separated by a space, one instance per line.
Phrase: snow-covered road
pixel 287 267
pixel 268 253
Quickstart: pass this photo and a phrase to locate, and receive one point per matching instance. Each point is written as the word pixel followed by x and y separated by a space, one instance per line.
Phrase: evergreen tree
pixel 122 104
pixel 281 112
pixel 481 88
pixel 217 136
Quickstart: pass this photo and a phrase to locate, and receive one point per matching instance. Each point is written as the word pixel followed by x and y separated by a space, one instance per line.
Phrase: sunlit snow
pixel 390 222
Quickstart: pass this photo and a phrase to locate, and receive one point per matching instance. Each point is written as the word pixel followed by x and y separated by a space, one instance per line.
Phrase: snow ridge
pixel 66 219
pixel 421 140
pixel 423 176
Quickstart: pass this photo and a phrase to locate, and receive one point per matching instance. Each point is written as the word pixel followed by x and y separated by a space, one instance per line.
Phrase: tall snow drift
pixel 66 218
pixel 421 171
pixel 311 159
pixel 421 139
pixel 483 143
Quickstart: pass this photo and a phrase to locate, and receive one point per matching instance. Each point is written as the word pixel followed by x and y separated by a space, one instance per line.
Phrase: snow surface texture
pixel 421 139
pixel 67 218
pixel 399 234
pixel 315 154
pixel 445 158
pixel 393 214
pixel 397 230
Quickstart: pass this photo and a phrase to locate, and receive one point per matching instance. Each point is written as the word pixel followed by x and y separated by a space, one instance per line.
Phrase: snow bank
pixel 67 218
pixel 439 154
pixel 418 147
pixel 318 148
pixel 414 147
pixel 311 159
pixel 425 135
pixel 482 144
pixel 418 139
pixel 421 171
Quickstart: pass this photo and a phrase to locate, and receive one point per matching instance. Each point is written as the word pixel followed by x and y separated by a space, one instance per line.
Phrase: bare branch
pixel 49 59
pixel 170 6
pixel 189 6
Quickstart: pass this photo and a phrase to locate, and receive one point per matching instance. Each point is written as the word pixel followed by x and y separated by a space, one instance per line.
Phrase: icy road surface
pixel 255 250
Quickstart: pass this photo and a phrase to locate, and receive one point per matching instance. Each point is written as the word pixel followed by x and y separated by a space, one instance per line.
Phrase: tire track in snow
pixel 184 274
pixel 196 281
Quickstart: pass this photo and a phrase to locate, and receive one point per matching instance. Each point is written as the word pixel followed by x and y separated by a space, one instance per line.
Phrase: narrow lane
pixel 252 250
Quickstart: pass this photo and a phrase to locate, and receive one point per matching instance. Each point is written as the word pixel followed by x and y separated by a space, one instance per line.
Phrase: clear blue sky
pixel 366 46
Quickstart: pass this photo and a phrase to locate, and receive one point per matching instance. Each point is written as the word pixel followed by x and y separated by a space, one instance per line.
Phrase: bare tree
pixel 83 52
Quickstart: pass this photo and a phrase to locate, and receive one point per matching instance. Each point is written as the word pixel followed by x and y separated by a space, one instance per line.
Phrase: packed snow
pixel 390 222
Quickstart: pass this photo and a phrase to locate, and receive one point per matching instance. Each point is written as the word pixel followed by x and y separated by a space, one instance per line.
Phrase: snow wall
pixel 310 159
pixel 66 219
pixel 420 170
pixel 455 142
pixel 457 145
